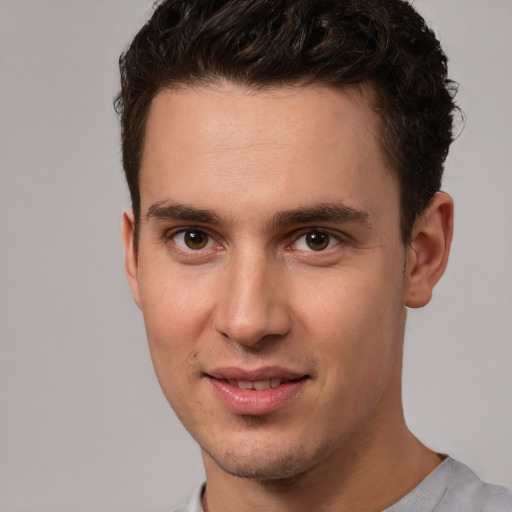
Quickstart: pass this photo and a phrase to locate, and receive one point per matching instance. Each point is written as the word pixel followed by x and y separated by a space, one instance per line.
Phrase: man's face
pixel 270 273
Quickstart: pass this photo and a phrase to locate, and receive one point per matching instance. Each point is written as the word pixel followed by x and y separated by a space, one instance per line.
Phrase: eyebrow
pixel 323 212
pixel 165 210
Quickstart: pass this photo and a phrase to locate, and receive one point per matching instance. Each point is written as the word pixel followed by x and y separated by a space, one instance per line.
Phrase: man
pixel 284 160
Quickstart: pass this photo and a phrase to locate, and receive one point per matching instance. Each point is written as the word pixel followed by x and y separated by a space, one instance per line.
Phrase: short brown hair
pixel 267 43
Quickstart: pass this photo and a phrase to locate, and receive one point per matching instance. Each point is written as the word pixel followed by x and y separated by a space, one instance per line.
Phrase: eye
pixel 316 241
pixel 192 239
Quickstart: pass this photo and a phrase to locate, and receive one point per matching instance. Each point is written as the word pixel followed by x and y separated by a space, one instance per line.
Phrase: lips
pixel 256 392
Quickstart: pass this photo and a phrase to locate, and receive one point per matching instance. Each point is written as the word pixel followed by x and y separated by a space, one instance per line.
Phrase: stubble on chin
pixel 279 465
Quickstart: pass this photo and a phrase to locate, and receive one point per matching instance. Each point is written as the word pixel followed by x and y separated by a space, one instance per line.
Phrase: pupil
pixel 317 241
pixel 195 239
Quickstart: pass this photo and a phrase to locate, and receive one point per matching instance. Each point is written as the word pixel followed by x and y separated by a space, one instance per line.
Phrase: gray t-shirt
pixel 451 487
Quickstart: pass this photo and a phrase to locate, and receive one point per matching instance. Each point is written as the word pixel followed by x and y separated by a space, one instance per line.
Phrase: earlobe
pixel 427 254
pixel 130 254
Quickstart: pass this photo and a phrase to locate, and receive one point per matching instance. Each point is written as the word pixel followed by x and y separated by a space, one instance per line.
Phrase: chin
pixel 267 463
pixel 278 468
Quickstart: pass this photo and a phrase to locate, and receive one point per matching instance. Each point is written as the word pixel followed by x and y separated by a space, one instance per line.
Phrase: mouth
pixel 258 385
pixel 256 392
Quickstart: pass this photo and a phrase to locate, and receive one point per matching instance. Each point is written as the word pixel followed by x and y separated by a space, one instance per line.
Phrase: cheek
pixel 357 319
pixel 173 330
pixel 357 337
pixel 176 314
pixel 175 302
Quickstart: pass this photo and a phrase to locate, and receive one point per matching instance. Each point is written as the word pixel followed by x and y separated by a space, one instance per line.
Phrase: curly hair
pixel 268 43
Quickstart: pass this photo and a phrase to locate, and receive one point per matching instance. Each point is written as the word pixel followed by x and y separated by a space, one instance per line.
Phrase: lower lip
pixel 256 403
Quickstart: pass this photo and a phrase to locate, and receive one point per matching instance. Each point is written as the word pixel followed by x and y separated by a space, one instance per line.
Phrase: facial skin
pixel 294 269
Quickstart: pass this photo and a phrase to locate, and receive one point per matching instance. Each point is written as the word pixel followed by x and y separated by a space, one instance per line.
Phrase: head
pixel 263 44
pixel 279 156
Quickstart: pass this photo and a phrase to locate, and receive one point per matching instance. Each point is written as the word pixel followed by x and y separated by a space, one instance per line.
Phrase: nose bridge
pixel 253 305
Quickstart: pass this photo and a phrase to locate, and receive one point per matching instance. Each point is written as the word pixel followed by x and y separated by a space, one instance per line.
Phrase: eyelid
pixel 334 235
pixel 339 238
pixel 171 234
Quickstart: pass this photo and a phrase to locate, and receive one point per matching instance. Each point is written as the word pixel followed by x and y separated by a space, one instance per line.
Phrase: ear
pixel 427 254
pixel 130 254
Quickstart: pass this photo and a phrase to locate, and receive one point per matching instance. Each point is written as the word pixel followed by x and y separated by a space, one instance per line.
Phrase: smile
pixel 257 392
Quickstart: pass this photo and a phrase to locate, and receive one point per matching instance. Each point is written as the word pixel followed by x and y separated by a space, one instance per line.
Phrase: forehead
pixel 289 144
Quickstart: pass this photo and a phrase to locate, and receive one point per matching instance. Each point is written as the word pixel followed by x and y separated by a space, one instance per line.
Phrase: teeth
pixel 275 382
pixel 258 385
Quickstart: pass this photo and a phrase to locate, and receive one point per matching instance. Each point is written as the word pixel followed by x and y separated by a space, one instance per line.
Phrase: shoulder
pixel 453 487
pixel 466 492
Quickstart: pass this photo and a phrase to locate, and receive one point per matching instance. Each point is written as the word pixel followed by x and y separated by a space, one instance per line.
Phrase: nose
pixel 252 305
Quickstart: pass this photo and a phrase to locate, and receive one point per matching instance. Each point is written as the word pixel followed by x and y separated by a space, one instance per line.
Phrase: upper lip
pixel 256 374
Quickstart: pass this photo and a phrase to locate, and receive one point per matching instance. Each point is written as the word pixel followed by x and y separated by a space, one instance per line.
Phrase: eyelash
pixel 333 240
pixel 172 235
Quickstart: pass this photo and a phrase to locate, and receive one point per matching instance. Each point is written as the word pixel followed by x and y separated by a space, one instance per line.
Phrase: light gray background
pixel 83 424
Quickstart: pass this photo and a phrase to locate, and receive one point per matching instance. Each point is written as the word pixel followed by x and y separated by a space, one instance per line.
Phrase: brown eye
pixel 192 239
pixel 317 241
